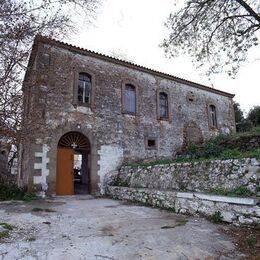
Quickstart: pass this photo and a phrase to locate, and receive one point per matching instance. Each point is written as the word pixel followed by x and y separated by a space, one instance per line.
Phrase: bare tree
pixel 216 33
pixel 20 22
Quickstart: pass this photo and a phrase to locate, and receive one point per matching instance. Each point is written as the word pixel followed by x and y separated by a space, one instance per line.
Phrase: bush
pixel 238 191
pixel 13 192
pixel 216 218
pixel 210 149
pixel 244 126
pixel 254 115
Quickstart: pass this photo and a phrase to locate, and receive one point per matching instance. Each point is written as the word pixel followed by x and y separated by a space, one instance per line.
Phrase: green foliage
pixel 256 130
pixel 210 150
pixel 241 191
pixel 4 234
pixel 244 126
pixel 254 116
pixel 12 192
pixel 29 196
pixel 239 117
pixel 216 218
pixel 37 209
pixel 7 226
pixel 238 191
pixel 230 153
pixel 251 241
pixel 50 210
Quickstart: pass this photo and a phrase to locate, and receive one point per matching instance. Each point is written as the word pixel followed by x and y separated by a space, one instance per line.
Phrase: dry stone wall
pixel 201 176
pixel 238 211
pixel 184 188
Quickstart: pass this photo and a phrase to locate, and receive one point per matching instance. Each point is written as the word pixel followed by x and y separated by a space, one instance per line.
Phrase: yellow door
pixel 65 172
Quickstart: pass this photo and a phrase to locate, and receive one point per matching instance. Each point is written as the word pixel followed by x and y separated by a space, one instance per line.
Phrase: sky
pixel 135 28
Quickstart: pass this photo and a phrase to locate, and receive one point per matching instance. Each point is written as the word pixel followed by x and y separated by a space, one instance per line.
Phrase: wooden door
pixel 65 172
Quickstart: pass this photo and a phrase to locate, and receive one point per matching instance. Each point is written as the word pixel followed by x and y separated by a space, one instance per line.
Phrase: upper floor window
pixel 212 116
pixel 163 106
pixel 84 88
pixel 129 99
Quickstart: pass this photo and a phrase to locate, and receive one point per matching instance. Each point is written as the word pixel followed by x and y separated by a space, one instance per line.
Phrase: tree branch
pixel 249 10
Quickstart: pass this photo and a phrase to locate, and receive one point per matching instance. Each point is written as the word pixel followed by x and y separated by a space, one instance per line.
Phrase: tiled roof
pixel 83 51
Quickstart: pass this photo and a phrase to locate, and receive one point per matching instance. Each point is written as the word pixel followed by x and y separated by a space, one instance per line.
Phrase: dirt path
pixel 84 227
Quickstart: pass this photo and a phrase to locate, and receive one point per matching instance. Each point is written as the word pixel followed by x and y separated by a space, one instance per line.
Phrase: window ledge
pixel 164 119
pixel 129 113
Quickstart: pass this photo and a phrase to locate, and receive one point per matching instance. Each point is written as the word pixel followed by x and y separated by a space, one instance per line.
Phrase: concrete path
pixel 84 227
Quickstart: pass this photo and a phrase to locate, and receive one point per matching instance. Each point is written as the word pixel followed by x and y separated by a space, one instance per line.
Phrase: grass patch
pixel 225 154
pixel 212 149
pixel 37 209
pixel 253 131
pixel 168 227
pixel 4 234
pixel 216 218
pixel 7 226
pixel 238 191
pixel 251 242
pixel 42 209
pixel 179 222
pixel 13 192
pixel 49 210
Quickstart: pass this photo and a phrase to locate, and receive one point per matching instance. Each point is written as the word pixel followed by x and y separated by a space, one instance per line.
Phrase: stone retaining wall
pixel 238 211
pixel 244 143
pixel 201 176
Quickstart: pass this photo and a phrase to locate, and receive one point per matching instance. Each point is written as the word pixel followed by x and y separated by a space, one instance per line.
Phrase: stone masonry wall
pixel 201 176
pixel 51 111
pixel 244 143
pixel 237 211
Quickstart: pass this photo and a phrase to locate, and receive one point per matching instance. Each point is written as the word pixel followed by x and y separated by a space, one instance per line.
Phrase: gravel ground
pixel 85 227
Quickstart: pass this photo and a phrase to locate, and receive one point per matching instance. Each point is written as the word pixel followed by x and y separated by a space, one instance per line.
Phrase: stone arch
pixel 53 141
pixel 73 171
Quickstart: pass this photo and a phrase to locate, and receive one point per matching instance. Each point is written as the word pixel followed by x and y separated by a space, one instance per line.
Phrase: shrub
pixel 7 226
pixel 216 218
pixel 244 126
pixel 251 242
pixel 230 153
pixel 241 191
pixel 238 191
pixel 13 192
pixel 254 115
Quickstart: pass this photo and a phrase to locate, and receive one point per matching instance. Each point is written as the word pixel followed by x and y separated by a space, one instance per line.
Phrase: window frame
pixel 166 92
pixel 76 102
pixel 147 147
pixel 123 89
pixel 211 125
pixel 84 90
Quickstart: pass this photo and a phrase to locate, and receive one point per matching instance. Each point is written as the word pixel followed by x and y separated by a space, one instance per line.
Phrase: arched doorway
pixel 73 167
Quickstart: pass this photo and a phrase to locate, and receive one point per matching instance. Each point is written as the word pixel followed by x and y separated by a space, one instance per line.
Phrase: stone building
pixel 96 112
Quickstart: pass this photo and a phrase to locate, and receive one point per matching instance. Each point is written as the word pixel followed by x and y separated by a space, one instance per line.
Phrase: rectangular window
pixel 163 105
pixel 129 99
pixel 151 143
pixel 212 116
pixel 84 88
